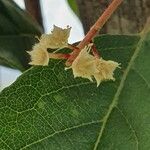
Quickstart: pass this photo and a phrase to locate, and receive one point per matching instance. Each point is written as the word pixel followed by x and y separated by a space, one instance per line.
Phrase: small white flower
pixel 105 70
pixel 84 65
pixel 39 56
pixel 88 66
pixel 58 38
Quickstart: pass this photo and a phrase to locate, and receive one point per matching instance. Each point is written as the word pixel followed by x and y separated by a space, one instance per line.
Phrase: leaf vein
pixel 6 144
pixel 62 131
pixel 130 126
pixel 142 77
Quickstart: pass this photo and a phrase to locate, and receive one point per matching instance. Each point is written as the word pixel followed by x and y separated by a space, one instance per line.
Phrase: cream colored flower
pixel 39 55
pixel 88 66
pixel 58 38
pixel 105 70
pixel 84 65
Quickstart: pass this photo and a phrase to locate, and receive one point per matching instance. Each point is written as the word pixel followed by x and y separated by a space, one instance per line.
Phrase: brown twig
pixel 95 28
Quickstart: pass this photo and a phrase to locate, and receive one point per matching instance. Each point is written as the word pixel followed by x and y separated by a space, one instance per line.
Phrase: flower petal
pixel 87 66
pixel 105 70
pixel 84 65
pixel 57 39
pixel 39 56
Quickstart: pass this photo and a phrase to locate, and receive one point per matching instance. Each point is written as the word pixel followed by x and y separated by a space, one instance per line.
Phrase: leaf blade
pixel 133 99
pixel 67 113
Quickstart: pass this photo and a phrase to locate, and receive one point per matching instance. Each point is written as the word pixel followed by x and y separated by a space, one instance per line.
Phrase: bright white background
pixel 54 12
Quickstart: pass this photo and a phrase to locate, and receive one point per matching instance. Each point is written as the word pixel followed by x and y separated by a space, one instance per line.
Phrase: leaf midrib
pixel 116 97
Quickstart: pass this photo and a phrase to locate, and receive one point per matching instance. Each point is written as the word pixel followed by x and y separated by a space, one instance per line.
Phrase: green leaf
pixel 47 109
pixel 73 5
pixel 13 50
pixel 17 35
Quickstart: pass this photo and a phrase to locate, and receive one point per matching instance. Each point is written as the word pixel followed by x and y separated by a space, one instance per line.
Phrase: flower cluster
pixel 85 65
pixel 57 39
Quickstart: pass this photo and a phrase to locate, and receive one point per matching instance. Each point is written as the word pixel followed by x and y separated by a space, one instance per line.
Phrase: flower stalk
pixel 95 52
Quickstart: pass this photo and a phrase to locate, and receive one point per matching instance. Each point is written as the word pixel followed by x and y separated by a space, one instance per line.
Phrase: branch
pixel 95 28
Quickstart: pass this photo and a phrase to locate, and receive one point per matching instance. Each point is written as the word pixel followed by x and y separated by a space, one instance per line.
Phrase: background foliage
pixel 17 34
